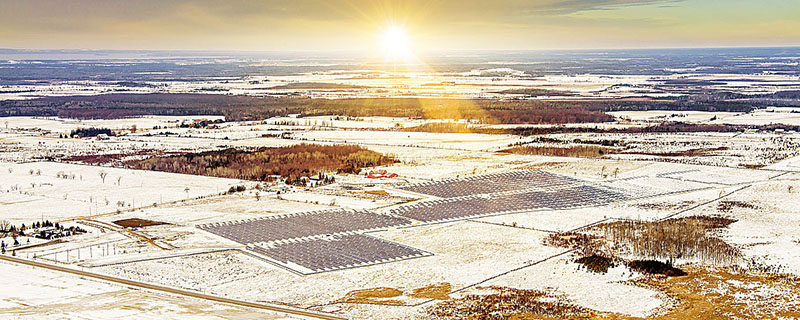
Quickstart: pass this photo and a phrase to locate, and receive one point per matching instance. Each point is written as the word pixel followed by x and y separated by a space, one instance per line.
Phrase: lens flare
pixel 395 43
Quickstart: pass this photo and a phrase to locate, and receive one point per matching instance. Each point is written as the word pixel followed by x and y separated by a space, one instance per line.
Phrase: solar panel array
pixel 476 206
pixel 300 225
pixel 336 253
pixel 328 240
pixel 492 183
pixel 317 241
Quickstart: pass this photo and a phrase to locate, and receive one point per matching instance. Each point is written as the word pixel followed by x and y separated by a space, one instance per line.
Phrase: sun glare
pixel 395 43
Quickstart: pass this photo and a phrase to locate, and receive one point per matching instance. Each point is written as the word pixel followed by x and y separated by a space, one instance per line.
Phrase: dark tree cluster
pixel 90 132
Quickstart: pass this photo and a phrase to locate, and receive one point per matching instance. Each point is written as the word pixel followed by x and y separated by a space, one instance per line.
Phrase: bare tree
pixel 119 180
pixel 4 225
pixel 103 175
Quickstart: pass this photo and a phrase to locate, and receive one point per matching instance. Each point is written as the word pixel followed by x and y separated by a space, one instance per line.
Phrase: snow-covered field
pixel 60 191
pixel 772 115
pixel 62 125
pixel 788 116
pixel 505 250
pixel 38 293
pixel 661 115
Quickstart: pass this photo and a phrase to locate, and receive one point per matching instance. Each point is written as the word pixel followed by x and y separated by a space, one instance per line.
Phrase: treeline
pixel 115 106
pixel 537 92
pixel 581 151
pixel 263 164
pixel 490 111
pixel 664 127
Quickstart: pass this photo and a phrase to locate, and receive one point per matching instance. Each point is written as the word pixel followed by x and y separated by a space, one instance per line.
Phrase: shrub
pixel 596 263
pixel 655 267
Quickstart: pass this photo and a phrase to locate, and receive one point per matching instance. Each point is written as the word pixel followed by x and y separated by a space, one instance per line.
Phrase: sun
pixel 395 43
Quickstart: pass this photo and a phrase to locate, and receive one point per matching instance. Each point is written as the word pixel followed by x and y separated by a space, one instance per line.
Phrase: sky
pixel 430 25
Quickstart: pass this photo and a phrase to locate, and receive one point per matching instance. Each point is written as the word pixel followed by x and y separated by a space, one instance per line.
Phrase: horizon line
pixel 84 50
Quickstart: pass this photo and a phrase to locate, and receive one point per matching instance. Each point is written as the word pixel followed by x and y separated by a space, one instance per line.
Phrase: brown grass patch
pixel 377 192
pixel 727 293
pixel 438 291
pixel 380 295
pixel 728 205
pixel 137 223
pixel 388 296
pixel 506 303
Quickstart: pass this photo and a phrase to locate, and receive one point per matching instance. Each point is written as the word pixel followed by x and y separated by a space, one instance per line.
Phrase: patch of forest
pixel 90 132
pixel 263 164
pixel 238 107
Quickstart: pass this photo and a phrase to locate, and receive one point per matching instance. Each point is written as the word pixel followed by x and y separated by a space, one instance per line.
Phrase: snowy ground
pixel 464 252
pixel 62 125
pixel 38 293
pixel 38 190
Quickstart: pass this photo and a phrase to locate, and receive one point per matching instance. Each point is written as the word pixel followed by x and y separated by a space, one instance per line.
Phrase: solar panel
pixel 336 253
pixel 300 225
pixel 492 183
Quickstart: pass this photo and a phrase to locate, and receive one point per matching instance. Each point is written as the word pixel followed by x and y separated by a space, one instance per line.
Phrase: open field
pixel 59 191
pixel 69 296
